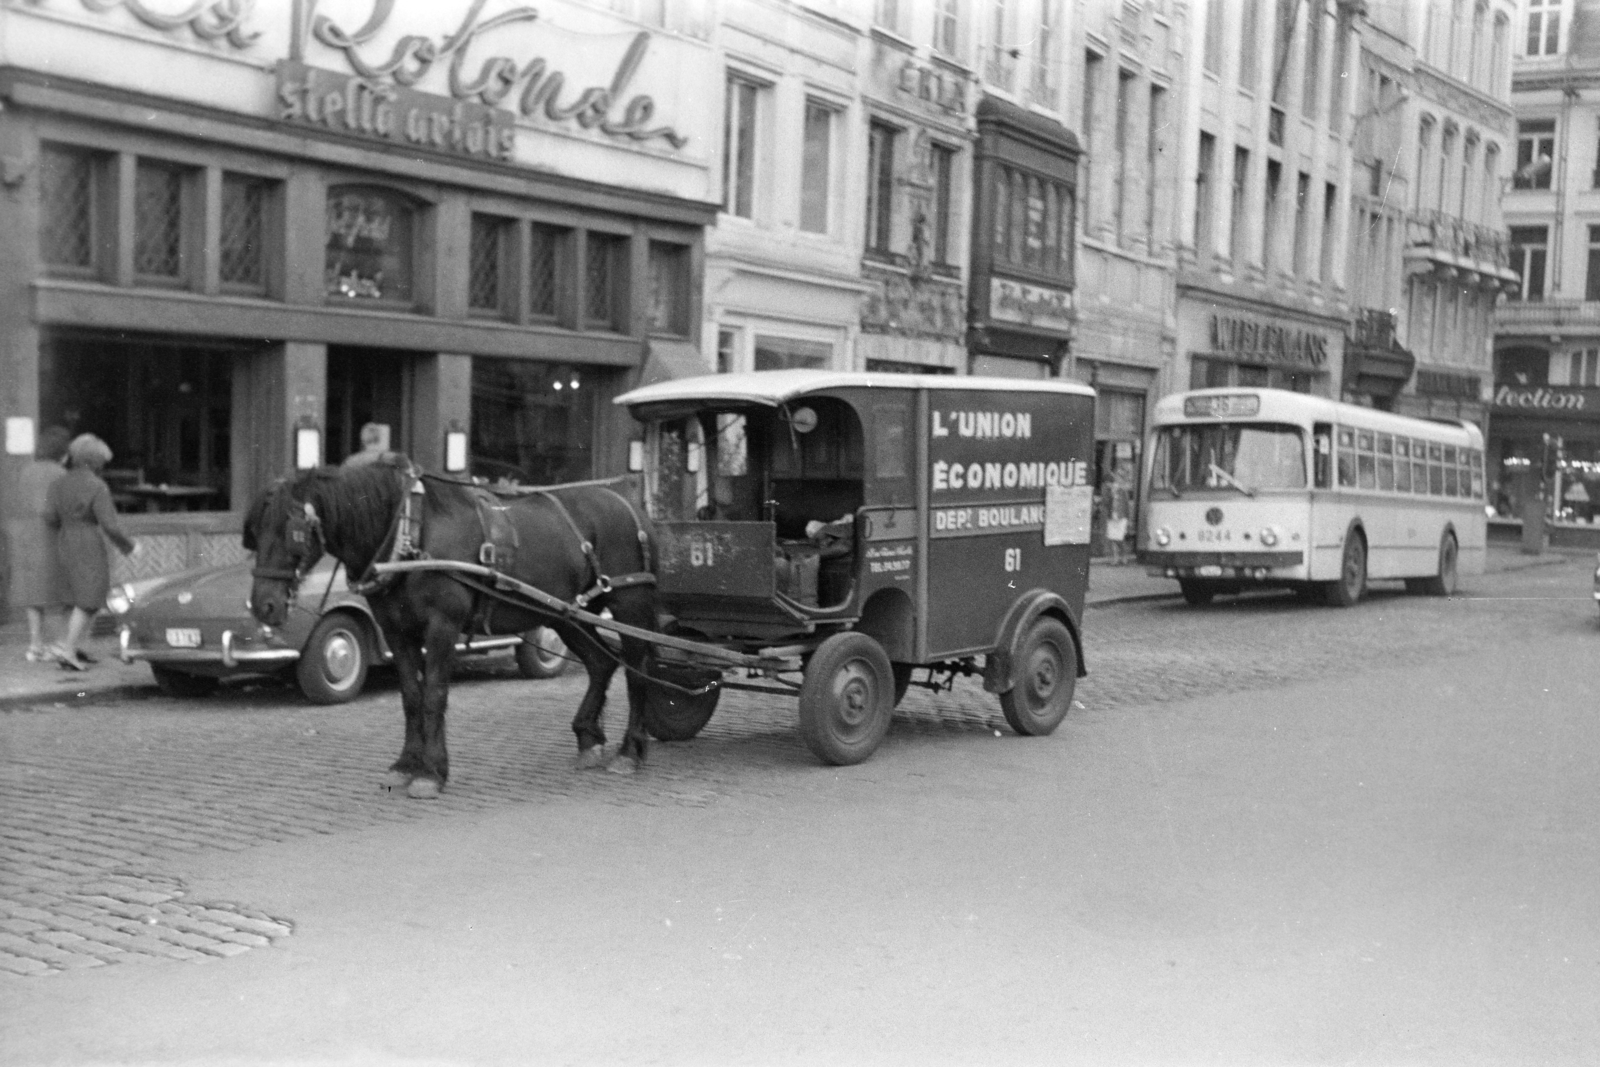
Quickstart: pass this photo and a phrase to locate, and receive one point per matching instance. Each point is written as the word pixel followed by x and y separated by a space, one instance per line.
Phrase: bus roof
pixel 1281 405
pixel 774 387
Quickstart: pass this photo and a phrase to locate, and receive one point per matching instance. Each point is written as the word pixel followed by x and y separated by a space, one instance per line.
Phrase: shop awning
pixel 665 361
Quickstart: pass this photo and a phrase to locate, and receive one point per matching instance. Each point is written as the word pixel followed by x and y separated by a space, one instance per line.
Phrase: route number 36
pixel 1013 559
pixel 700 553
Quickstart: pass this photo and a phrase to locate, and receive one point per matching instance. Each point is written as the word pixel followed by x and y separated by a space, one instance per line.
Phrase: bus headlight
pixel 1269 536
pixel 1163 536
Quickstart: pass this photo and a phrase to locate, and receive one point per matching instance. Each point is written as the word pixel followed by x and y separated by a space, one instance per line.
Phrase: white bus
pixel 1263 487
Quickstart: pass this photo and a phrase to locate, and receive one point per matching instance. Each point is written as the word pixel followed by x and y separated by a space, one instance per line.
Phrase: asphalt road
pixel 1273 834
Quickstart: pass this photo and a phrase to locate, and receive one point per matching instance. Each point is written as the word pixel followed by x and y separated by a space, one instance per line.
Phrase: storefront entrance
pixel 366 385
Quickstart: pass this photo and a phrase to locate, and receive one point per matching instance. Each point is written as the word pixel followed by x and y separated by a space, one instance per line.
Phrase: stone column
pixel 441 402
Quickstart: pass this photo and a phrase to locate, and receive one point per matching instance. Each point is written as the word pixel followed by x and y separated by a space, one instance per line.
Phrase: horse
pixel 567 541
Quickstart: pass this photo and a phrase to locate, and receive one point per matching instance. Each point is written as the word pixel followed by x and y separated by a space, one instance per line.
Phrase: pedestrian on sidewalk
pixel 36 580
pixel 78 507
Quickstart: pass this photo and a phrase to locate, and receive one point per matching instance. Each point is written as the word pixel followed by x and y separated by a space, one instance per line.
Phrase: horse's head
pixel 285 534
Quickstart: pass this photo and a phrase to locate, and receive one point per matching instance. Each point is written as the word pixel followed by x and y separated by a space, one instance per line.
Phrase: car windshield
pixel 1239 457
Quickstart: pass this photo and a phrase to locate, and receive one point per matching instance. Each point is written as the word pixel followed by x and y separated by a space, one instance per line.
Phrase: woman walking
pixel 36 581
pixel 78 507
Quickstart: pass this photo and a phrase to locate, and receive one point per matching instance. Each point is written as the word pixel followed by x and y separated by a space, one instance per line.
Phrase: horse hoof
pixel 592 758
pixel 396 780
pixel 623 765
pixel 423 789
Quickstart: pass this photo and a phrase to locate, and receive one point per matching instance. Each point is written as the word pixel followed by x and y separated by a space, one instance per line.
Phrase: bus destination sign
pixel 1226 406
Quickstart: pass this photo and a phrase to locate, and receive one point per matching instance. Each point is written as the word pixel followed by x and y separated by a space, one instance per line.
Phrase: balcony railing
pixel 1438 232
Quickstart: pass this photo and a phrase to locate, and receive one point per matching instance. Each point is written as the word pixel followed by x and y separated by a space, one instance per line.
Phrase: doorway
pixel 366 385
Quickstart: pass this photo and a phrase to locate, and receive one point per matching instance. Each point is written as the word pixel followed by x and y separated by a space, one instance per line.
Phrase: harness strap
pixel 405 533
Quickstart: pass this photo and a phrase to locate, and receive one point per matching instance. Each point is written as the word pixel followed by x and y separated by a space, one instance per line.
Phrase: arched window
pixel 1474 58
pixel 1497 52
pixel 1469 152
pixel 1490 185
pixel 370 244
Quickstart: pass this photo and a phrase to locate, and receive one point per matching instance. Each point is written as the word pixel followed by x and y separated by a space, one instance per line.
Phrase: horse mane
pixel 357 506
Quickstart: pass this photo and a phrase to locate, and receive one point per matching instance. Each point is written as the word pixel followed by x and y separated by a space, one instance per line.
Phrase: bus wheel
pixel 1042 679
pixel 1197 593
pixel 1352 581
pixel 1443 583
pixel 846 698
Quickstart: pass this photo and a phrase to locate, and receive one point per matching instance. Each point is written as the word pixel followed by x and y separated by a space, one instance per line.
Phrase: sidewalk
pixel 24 683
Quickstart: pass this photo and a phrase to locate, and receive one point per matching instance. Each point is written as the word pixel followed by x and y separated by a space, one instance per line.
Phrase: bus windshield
pixel 1242 457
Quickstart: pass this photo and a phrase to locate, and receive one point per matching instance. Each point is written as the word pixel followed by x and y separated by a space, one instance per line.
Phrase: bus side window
pixel 1322 456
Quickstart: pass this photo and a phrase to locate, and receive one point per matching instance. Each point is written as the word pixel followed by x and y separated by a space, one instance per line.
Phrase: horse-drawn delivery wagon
pixel 855 528
pixel 812 533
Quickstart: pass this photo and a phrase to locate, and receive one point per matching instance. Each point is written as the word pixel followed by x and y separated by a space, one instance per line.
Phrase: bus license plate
pixel 1209 571
pixel 183 638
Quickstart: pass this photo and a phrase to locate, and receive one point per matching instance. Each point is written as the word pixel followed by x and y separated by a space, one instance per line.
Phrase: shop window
pixel 370 245
pixel 602 282
pixel 790 353
pixel 486 263
pixel 165 409
pixel 544 259
pixel 242 252
pixel 68 209
pixel 158 252
pixel 669 288
pixel 532 422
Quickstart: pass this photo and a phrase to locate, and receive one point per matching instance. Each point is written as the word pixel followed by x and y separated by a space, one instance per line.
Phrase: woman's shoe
pixel 68 660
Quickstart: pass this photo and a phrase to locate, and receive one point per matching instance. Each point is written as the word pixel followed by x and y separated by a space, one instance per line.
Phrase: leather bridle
pixel 303 532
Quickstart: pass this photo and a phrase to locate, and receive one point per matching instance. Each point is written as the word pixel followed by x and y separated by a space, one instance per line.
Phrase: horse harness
pixel 498 549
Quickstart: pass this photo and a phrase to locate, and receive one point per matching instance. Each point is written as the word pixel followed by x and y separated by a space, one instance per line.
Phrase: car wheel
pixel 1043 678
pixel 542 654
pixel 176 683
pixel 333 664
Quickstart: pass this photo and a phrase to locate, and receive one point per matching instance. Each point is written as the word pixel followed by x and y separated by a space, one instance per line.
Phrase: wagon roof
pixel 774 387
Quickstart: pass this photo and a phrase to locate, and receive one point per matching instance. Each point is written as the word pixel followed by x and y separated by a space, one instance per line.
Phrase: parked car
pixel 194 630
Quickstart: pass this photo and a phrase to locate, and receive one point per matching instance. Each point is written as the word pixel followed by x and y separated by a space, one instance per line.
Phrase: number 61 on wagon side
pixel 1262 487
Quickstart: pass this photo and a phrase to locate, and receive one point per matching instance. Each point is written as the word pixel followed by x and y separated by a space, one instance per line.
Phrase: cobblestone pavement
pixel 103 799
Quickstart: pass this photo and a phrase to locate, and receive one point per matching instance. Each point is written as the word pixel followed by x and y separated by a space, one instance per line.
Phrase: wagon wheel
pixel 1043 677
pixel 673 716
pixel 846 698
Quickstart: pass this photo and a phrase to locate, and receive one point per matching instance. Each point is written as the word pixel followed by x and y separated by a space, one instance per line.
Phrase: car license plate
pixel 183 638
pixel 1210 571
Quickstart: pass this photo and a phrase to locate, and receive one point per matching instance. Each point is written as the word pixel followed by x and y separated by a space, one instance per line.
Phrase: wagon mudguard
pixel 1027 607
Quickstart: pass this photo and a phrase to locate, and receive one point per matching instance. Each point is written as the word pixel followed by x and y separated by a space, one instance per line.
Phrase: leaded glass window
pixel 485 261
pixel 602 280
pixel 544 245
pixel 66 190
pixel 158 221
pixel 243 205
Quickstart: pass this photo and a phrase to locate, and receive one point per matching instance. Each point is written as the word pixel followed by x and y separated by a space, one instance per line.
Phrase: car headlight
pixel 1163 537
pixel 1269 536
pixel 120 599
